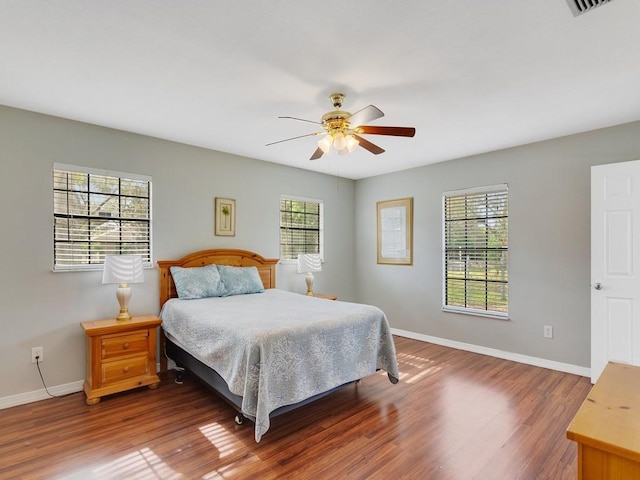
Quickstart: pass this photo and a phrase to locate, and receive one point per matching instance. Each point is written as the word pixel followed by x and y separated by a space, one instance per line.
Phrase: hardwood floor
pixel 454 415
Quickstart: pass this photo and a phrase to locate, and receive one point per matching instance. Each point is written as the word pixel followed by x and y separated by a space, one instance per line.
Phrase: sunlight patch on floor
pixel 220 438
pixel 142 465
pixel 478 421
pixel 413 368
pixel 212 476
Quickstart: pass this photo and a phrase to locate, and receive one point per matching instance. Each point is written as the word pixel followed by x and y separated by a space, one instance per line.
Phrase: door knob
pixel 598 286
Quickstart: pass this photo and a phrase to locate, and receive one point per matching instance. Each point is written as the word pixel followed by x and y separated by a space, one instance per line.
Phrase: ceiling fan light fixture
pixel 352 143
pixel 343 144
pixel 339 141
pixel 325 143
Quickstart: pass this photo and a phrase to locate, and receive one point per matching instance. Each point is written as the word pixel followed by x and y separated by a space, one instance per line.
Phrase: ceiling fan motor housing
pixel 336 120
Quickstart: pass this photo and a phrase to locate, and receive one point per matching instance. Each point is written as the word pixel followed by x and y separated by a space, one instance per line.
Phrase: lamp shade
pixel 122 269
pixel 352 143
pixel 339 141
pixel 309 262
pixel 325 143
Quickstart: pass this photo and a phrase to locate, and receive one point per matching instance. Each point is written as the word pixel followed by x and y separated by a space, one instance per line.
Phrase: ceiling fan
pixel 343 130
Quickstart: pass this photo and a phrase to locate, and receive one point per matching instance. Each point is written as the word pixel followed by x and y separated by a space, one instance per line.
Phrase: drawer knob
pixel 125 345
pixel 125 369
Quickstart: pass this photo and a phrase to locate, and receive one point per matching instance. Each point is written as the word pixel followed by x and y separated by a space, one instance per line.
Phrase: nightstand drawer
pixel 122 369
pixel 130 344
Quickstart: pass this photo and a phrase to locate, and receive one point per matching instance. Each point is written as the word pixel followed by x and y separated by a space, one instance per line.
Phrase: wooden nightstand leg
pixel 92 401
pixel 154 386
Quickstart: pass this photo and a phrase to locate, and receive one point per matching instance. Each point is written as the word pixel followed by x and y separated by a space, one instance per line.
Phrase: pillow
pixel 240 280
pixel 198 282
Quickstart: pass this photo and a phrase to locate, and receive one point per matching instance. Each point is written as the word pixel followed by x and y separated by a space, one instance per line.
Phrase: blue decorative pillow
pixel 240 280
pixel 198 282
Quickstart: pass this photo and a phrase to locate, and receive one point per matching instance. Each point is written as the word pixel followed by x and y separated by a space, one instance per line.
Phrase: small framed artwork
pixel 225 217
pixel 395 236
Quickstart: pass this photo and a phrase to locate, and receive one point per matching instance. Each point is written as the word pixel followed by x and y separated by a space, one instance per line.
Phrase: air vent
pixel 578 7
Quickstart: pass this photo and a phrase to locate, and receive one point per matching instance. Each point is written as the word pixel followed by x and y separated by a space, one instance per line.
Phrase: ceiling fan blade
pixel 317 154
pixel 395 131
pixel 294 138
pixel 366 115
pixel 302 120
pixel 367 145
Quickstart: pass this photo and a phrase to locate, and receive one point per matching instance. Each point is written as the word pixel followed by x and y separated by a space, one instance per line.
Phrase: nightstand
pixel 120 355
pixel 326 296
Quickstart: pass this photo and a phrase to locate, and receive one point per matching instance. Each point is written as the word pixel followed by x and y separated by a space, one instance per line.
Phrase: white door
pixel 615 267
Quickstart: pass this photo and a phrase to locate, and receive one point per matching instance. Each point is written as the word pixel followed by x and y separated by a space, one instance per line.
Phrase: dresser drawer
pixel 123 369
pixel 120 345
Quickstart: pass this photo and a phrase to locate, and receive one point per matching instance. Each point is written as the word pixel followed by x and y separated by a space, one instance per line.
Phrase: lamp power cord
pixel 43 382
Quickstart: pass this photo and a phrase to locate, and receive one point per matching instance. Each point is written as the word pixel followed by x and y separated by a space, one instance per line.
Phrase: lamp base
pixel 123 294
pixel 309 280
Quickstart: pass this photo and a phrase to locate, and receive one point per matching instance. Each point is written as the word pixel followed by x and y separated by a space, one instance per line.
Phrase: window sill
pixel 292 261
pixel 476 313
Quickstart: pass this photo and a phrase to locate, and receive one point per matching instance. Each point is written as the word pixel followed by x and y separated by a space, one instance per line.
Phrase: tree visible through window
pixel 476 250
pixel 98 213
pixel 300 227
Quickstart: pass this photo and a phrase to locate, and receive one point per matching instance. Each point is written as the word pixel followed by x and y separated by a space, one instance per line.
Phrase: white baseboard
pixel 516 357
pixel 37 395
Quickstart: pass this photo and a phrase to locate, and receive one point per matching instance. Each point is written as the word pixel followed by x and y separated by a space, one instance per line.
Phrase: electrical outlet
pixel 548 331
pixel 37 352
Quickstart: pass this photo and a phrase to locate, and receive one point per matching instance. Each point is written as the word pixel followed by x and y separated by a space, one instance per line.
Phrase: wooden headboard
pixel 236 258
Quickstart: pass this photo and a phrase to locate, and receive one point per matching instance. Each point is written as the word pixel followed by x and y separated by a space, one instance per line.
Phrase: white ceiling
pixel 471 76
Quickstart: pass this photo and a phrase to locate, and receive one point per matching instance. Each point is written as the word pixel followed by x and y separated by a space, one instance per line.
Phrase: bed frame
pixel 182 358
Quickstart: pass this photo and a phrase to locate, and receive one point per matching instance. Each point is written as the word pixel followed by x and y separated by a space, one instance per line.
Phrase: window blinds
pixel 476 250
pixel 98 213
pixel 300 227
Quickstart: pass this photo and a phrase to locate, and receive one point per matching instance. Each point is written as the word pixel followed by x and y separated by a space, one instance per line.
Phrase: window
pixel 96 213
pixel 475 237
pixel 300 227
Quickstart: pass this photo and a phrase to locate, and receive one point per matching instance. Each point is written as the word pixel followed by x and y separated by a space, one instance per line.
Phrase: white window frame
pixel 320 231
pixel 461 309
pixel 108 173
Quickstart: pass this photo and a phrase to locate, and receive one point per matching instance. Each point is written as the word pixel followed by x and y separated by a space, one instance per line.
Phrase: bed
pixel 265 351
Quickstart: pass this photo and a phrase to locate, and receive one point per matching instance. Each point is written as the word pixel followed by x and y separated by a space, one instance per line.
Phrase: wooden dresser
pixel 120 355
pixel 607 426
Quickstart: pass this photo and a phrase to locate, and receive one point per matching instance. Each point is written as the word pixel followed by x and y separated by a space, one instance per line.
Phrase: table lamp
pixel 123 270
pixel 309 263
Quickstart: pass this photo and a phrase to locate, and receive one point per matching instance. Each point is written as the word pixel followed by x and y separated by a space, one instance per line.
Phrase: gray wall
pixel 549 237
pixel 42 308
pixel 549 244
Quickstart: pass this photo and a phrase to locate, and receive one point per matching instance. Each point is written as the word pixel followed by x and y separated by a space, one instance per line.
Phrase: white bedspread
pixel 278 348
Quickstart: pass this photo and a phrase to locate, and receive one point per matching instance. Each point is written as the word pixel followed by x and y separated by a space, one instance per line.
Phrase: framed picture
pixel 225 217
pixel 395 236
